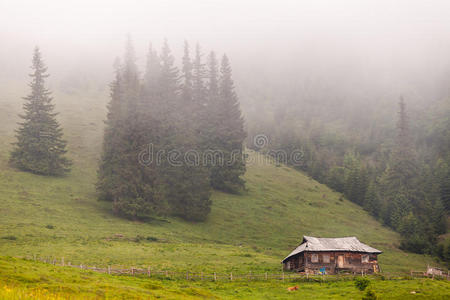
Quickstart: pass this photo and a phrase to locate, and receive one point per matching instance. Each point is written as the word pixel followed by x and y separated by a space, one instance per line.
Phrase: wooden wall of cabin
pixel 350 261
pixel 296 262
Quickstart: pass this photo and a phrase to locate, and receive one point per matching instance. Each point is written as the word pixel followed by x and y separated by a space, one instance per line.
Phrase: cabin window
pixel 365 258
pixel 326 258
pixel 314 258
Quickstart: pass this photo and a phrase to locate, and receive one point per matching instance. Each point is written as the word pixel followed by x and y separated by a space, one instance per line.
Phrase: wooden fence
pixel 188 275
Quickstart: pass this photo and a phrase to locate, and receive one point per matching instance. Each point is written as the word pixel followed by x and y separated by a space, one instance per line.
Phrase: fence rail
pixel 188 275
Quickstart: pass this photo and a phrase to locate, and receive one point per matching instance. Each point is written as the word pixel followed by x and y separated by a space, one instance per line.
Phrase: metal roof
pixel 348 244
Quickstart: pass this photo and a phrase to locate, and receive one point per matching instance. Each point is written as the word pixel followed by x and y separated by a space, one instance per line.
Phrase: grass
pixel 61 217
pixel 20 279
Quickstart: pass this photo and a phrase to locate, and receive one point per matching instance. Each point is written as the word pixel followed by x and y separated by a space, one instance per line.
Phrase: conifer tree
pixel 121 178
pixel 355 179
pixel 213 75
pixel 134 193
pixel 199 75
pixel 107 173
pixel 40 147
pixel 208 129
pixel 152 71
pixel 187 88
pixel 371 200
pixel 230 135
pixel 400 181
pixel 403 169
pixel 400 207
pixel 187 184
pixel 444 183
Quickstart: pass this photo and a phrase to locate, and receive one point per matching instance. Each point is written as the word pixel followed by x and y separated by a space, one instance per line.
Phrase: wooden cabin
pixel 332 256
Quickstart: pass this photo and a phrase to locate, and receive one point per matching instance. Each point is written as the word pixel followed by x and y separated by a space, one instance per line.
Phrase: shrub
pixel 370 295
pixel 361 283
pixel 50 226
pixel 152 239
pixel 9 237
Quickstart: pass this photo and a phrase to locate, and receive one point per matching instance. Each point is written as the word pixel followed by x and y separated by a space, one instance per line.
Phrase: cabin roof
pixel 346 244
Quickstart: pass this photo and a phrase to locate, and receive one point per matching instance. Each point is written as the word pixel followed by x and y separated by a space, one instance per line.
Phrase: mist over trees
pixel 401 178
pixel 160 130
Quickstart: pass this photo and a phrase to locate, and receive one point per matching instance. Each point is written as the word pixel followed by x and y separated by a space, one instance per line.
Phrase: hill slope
pixel 60 217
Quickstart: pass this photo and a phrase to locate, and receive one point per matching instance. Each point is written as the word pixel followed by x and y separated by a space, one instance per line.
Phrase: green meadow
pixel 20 279
pixel 60 217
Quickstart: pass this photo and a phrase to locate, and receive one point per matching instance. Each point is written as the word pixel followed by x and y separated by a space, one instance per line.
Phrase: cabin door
pixel 340 261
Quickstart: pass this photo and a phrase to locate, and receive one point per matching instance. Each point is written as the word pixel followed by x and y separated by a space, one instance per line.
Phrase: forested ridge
pixel 390 160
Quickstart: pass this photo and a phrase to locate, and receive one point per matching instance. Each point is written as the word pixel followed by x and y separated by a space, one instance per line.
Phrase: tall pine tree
pixel 40 147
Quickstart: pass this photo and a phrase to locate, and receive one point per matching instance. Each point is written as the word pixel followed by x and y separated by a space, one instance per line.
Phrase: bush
pixel 361 283
pixel 370 295
pixel 9 237
pixel 50 226
pixel 152 239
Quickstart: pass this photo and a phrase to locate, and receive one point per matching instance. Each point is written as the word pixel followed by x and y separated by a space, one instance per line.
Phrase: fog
pixel 357 49
pixel 319 84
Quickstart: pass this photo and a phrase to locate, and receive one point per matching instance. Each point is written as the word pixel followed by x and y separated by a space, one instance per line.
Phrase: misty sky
pixel 392 39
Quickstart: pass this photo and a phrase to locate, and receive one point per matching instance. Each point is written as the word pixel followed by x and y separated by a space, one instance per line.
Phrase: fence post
pixel 81 266
pixel 34 257
pixel 132 271
pixel 283 275
pixel 201 278
pixel 109 269
pixel 266 276
pixel 187 275
pixel 231 276
pixel 215 278
pixel 149 272
pixel 62 261
pixel 167 273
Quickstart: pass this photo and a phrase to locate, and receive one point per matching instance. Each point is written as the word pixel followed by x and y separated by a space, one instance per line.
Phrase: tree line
pixel 403 181
pixel 177 115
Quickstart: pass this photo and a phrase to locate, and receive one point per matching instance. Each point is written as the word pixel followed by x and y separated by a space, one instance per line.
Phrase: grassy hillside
pixel 60 217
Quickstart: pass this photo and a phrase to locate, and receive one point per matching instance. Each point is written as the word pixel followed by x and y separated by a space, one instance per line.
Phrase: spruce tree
pixel 187 87
pixel 187 185
pixel 134 194
pixel 399 182
pixel 229 135
pixel 213 75
pixel 122 179
pixel 355 179
pixel 371 200
pixel 40 147
pixel 208 122
pixel 199 88
pixel 152 71
pixel 444 183
pixel 401 207
pixel 403 168
pixel 109 166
